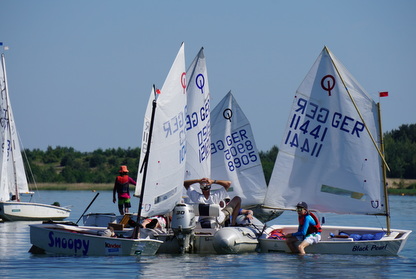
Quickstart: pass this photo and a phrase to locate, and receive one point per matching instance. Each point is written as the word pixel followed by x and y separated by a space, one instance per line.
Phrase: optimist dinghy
pixel 332 157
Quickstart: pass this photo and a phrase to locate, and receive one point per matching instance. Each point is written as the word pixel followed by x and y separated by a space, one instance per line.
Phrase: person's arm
pixel 131 181
pixel 188 183
pixel 247 212
pixel 224 183
pixel 114 191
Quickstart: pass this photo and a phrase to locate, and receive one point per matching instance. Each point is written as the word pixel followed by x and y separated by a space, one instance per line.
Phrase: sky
pixel 80 71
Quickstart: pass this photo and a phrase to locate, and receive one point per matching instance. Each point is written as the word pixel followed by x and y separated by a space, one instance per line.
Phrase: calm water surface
pixel 16 262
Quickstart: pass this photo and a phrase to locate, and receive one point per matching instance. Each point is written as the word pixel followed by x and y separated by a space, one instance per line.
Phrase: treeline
pixel 400 150
pixel 66 165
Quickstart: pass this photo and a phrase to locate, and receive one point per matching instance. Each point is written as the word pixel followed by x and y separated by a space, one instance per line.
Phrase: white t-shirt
pixel 215 197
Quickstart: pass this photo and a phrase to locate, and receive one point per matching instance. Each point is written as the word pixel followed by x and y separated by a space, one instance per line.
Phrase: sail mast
pixel 144 166
pixel 386 199
pixel 358 111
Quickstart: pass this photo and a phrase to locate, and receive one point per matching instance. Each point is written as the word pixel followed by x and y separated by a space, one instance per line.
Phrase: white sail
pixel 167 155
pixel 326 157
pixel 12 177
pixel 198 128
pixel 145 138
pixel 234 152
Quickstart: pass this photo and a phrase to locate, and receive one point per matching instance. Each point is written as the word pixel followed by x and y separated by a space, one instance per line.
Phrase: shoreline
pixel 396 187
pixel 72 186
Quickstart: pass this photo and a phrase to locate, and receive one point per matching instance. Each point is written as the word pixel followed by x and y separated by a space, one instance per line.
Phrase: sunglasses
pixel 298 209
pixel 205 188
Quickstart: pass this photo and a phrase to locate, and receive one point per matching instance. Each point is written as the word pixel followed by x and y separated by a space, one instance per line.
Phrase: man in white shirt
pixel 216 197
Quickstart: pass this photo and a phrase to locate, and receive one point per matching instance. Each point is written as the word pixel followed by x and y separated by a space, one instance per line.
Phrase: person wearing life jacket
pixel 309 230
pixel 121 187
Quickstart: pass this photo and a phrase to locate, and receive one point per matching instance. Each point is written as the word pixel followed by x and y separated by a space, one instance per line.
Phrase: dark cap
pixel 302 204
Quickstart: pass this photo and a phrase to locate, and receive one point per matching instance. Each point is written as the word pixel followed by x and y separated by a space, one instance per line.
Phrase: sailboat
pixel 235 157
pixel 13 181
pixel 332 158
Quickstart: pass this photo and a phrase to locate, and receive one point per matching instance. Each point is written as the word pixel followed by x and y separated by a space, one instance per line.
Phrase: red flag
pixel 384 94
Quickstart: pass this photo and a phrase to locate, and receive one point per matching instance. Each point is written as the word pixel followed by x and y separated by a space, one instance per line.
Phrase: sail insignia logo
pixel 328 83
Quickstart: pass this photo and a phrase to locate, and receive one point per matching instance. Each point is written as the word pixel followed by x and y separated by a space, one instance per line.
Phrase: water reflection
pixel 14 239
pixel 16 262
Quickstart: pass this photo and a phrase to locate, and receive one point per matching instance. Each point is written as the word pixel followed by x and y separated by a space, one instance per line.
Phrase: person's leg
pixel 127 206
pixel 302 247
pixel 120 206
pixel 291 244
pixel 235 203
pixel 120 209
pixel 310 240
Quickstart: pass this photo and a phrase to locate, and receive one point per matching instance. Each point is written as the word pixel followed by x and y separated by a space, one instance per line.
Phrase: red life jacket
pixel 122 183
pixel 312 228
pixel 277 234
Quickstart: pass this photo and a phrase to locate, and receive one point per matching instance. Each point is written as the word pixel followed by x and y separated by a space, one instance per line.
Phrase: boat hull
pixel 28 211
pixel 227 240
pixel 386 246
pixel 60 239
pixel 235 240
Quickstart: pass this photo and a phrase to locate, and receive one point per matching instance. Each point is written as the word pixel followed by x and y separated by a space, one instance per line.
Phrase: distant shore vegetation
pixel 65 167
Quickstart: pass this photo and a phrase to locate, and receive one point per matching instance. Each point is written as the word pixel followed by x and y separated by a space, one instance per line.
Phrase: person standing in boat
pixel 217 197
pixel 309 230
pixel 121 187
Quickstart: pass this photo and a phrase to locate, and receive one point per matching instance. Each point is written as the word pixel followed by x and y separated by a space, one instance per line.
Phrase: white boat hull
pixel 386 246
pixel 60 239
pixel 28 211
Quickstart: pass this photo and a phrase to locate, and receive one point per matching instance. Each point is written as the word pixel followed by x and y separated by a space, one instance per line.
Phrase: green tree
pixel 267 160
pixel 400 152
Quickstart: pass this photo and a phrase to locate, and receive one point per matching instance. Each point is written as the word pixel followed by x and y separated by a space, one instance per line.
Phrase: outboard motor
pixel 183 225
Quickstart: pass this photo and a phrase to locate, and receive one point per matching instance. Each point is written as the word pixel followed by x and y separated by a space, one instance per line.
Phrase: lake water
pixel 16 262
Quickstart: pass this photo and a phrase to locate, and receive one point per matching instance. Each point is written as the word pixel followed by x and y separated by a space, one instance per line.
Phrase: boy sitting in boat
pixel 309 230
pixel 216 197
